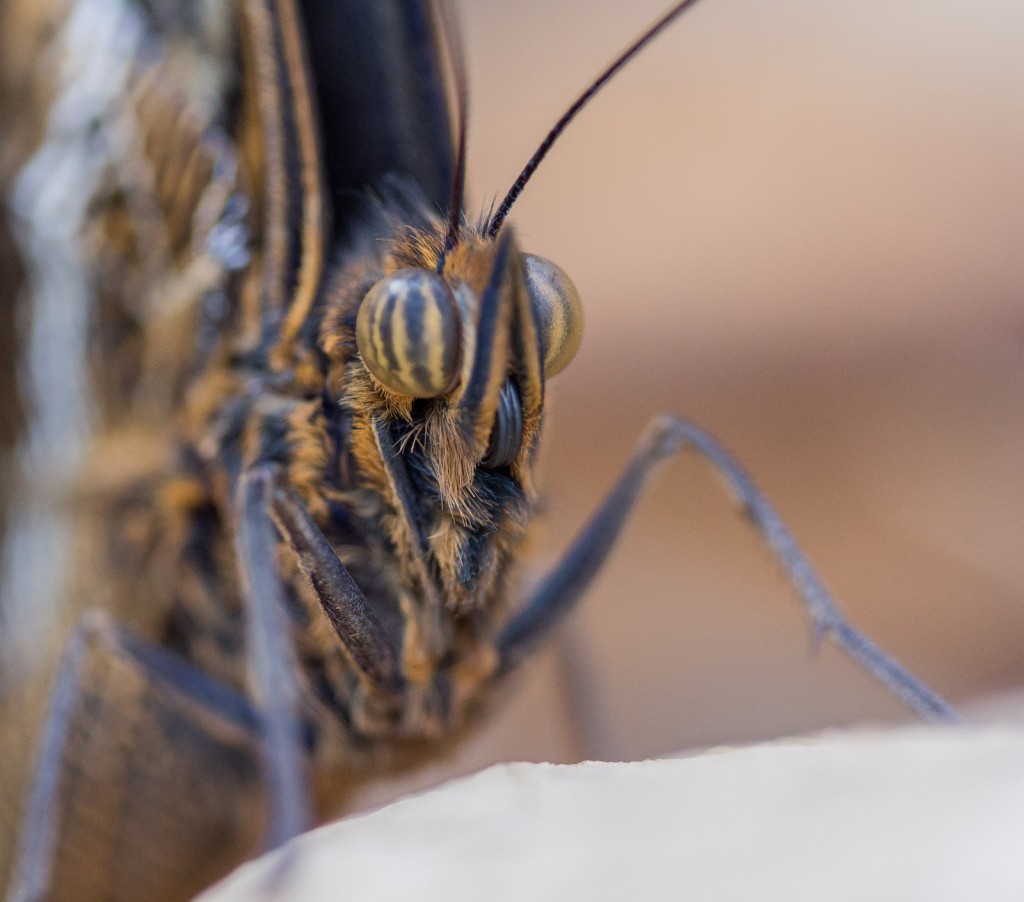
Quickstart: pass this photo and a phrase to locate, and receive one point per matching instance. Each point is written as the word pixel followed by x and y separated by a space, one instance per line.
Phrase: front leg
pixel 665 436
pixel 265 506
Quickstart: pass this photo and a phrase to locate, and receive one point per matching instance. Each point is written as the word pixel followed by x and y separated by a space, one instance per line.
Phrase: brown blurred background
pixel 799 224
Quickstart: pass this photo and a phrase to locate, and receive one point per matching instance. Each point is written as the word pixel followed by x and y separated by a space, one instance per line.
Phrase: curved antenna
pixel 457 61
pixel 542 151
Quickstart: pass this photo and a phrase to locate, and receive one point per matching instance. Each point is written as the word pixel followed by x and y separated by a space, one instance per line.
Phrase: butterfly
pixel 340 380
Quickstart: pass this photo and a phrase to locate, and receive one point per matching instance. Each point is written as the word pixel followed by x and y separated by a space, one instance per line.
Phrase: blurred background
pixel 799 224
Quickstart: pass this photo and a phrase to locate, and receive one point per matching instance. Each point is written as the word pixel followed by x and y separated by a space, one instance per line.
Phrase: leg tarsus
pixel 665 436
pixel 827 621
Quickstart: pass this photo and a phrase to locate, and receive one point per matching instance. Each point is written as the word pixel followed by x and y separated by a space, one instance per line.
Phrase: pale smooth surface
pixel 913 814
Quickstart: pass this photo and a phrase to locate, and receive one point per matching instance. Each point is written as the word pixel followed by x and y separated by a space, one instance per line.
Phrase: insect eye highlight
pixel 559 312
pixel 408 333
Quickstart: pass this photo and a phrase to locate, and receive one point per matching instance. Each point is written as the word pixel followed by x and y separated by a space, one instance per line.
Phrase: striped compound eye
pixel 408 332
pixel 559 312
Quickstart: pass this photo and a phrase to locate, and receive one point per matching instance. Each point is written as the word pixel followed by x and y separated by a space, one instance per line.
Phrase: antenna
pixel 542 151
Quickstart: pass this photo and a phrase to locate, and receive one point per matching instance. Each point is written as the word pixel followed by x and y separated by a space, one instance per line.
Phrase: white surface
pixel 914 814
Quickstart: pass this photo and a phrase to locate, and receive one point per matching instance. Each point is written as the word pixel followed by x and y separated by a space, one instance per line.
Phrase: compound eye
pixel 559 312
pixel 407 332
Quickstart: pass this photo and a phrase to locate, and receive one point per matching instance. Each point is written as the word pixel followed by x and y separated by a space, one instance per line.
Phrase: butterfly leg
pixel 272 664
pixel 266 507
pixel 664 437
pixel 355 623
pixel 144 763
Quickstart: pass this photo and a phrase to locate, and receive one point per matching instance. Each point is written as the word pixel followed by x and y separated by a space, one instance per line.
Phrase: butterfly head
pixel 462 339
